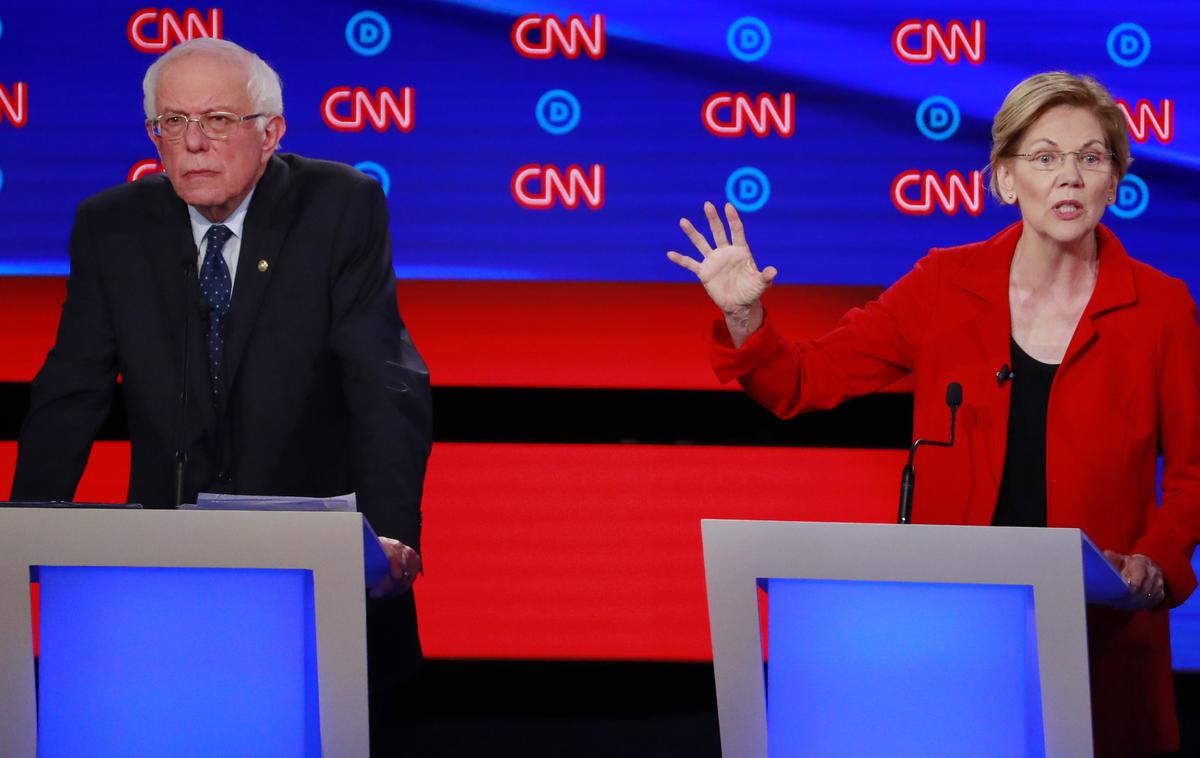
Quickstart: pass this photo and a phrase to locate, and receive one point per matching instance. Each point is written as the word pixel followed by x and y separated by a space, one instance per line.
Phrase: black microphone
pixel 189 268
pixel 954 398
pixel 1004 375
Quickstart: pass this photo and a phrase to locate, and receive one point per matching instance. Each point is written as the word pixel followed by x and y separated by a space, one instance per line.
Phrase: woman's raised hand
pixel 727 271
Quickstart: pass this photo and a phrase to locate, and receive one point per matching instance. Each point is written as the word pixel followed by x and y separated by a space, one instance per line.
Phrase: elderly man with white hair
pixel 247 301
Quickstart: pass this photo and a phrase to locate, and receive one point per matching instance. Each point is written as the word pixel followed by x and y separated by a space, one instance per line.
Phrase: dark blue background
pixel 452 212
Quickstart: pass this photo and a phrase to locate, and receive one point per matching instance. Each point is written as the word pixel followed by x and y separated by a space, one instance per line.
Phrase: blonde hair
pixel 1027 101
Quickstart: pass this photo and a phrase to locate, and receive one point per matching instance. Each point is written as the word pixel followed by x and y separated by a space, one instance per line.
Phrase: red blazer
pixel 1126 391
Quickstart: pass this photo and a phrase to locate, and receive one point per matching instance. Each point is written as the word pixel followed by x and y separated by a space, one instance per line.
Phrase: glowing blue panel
pixel 175 661
pixel 902 669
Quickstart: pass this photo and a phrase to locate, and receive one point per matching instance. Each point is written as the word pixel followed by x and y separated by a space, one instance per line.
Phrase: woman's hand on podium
pixel 728 271
pixel 404 564
pixel 1143 577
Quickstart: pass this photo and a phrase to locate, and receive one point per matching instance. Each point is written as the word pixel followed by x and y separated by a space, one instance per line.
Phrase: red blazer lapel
pixel 1114 290
pixel 986 277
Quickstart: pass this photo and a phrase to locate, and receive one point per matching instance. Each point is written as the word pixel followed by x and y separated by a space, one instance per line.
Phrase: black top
pixel 1022 500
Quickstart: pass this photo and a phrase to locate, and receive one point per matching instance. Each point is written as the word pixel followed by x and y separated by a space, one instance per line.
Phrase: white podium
pixel 182 633
pixel 897 640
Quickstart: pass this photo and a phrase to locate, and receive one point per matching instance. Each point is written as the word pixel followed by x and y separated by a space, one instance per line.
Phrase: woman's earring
pixel 1012 196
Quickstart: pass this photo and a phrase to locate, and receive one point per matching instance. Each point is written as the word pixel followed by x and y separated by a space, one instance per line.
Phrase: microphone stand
pixel 189 264
pixel 954 398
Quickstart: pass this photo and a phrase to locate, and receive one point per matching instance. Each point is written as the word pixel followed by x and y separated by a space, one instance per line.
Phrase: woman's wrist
pixel 744 321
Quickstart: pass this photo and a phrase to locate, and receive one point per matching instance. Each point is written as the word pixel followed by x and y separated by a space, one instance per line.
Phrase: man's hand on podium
pixel 404 563
pixel 1143 577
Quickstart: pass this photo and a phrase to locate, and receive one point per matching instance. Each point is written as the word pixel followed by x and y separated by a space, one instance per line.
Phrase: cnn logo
pixel 347 109
pixel 729 114
pixel 919 193
pixel 1160 122
pixel 540 37
pixel 14 104
pixel 155 31
pixel 540 187
pixel 920 42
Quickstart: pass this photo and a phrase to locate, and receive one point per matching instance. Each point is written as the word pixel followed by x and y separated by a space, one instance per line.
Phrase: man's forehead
pixel 213 79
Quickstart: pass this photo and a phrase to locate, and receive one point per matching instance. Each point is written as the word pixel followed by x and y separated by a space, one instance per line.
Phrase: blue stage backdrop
pixel 561 140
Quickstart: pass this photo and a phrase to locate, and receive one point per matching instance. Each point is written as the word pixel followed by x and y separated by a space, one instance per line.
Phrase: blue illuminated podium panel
pixel 176 661
pixel 182 633
pixel 899 640
pixel 902 668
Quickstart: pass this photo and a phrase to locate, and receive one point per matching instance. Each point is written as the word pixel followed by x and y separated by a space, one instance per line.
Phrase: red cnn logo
pixel 15 104
pixel 726 114
pixel 565 186
pixel 952 195
pixel 171 29
pixel 917 41
pixel 384 107
pixel 570 39
pixel 1162 121
pixel 143 168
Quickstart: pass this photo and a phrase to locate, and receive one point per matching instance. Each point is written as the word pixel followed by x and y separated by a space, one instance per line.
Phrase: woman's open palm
pixel 726 269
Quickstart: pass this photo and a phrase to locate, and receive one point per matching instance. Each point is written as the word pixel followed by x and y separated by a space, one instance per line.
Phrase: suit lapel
pixel 262 240
pixel 986 277
pixel 169 250
pixel 1114 290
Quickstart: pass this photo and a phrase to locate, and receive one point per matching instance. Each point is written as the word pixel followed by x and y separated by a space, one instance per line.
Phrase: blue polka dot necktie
pixel 216 287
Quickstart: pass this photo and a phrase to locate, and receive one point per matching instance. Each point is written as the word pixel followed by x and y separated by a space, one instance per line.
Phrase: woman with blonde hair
pixel 1105 364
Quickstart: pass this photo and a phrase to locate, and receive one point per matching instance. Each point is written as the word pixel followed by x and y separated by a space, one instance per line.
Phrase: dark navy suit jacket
pixel 326 393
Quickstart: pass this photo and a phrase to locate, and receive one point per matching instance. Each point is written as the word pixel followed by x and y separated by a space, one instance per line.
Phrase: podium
pixel 182 633
pixel 883 639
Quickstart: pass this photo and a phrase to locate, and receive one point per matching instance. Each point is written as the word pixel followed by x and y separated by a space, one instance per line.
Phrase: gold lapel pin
pixel 263 266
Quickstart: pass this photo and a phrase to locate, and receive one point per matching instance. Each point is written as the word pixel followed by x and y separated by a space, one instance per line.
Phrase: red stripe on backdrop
pixel 105 480
pixel 589 551
pixel 511 334
pixel 593 551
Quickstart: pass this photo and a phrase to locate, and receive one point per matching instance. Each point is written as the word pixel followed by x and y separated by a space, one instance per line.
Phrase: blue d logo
pixel 1128 45
pixel 748 189
pixel 1133 196
pixel 376 172
pixel 748 38
pixel 938 117
pixel 368 33
pixel 557 111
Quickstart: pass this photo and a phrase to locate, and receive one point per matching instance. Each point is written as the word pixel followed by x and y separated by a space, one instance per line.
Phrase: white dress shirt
pixel 232 247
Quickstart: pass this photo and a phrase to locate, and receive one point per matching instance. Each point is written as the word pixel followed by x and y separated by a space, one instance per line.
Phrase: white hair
pixel 262 83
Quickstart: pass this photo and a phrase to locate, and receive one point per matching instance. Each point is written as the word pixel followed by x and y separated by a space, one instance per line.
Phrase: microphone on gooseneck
pixel 188 262
pixel 954 399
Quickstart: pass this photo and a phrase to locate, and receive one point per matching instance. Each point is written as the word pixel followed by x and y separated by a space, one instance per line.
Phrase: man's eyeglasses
pixel 214 125
pixel 1049 160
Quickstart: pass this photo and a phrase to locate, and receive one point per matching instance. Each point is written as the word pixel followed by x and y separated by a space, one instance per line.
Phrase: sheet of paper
pixel 212 501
